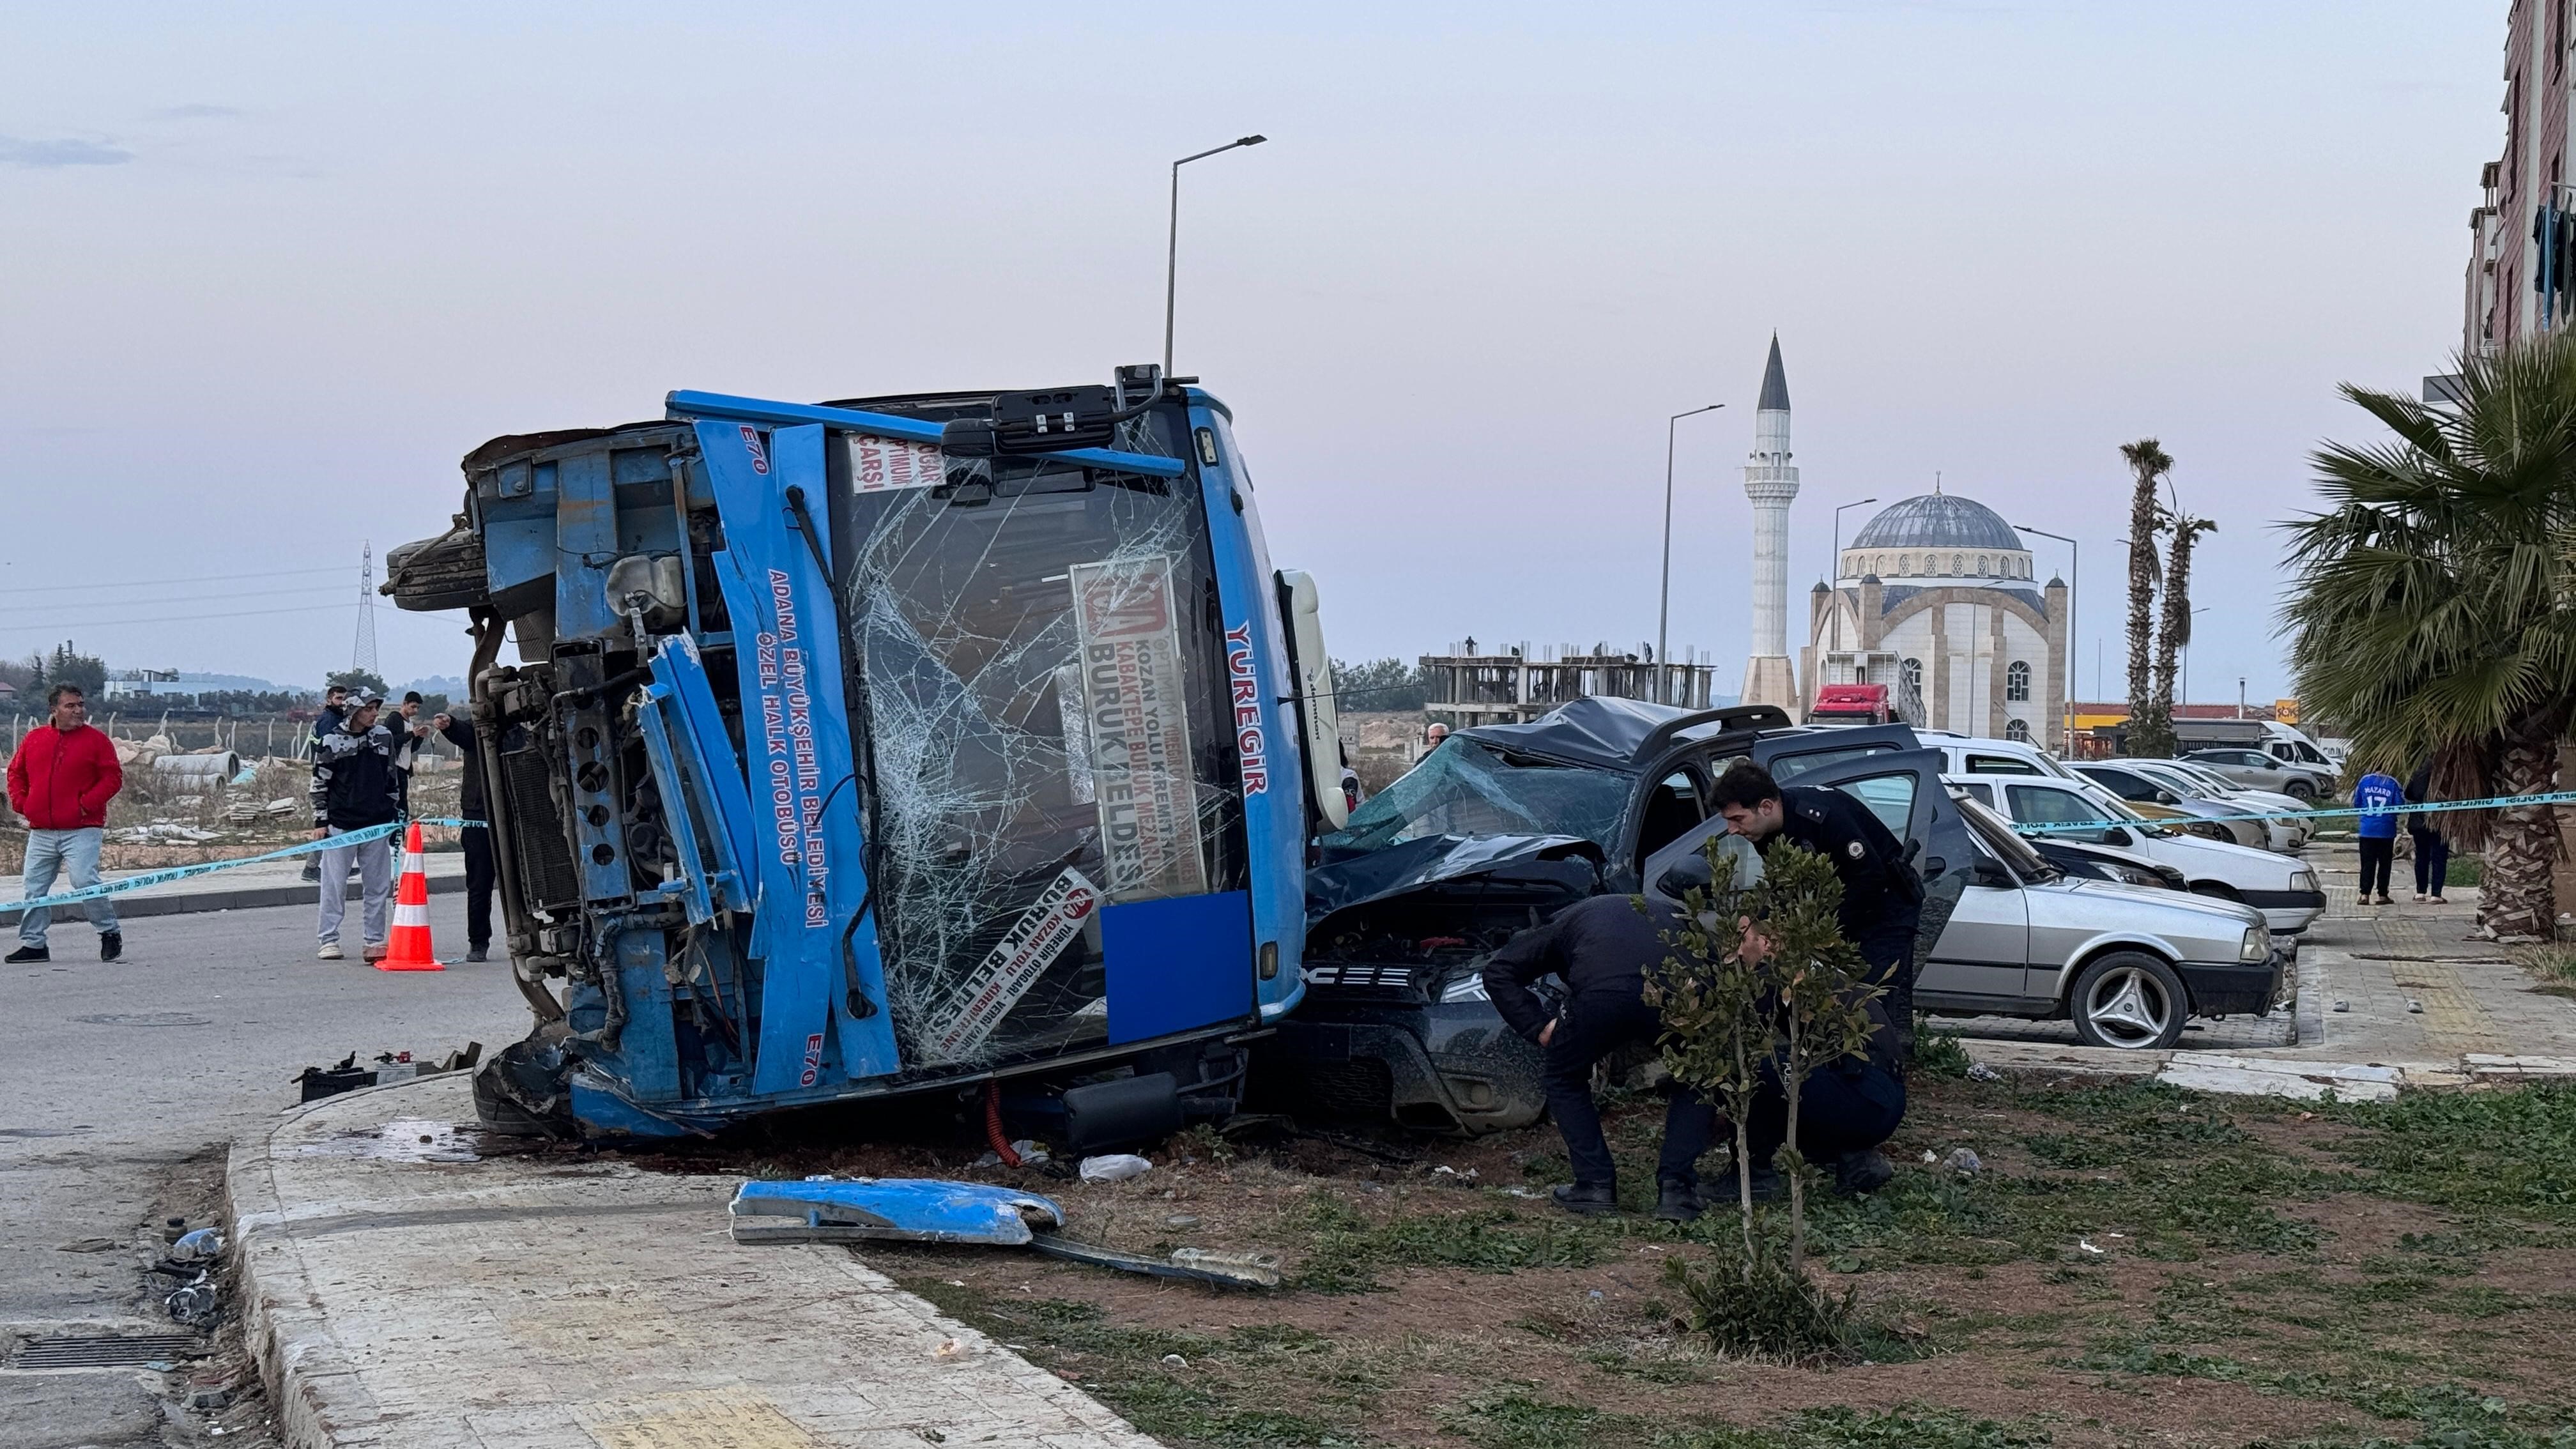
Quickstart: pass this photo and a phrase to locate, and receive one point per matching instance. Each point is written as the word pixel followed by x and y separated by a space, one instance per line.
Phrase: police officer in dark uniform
pixel 1850 1106
pixel 1600 947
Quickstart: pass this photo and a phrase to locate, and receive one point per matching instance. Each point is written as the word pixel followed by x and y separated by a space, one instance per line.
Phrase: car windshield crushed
pixel 1465 788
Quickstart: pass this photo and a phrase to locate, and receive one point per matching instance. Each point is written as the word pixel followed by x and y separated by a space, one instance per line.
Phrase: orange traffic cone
pixel 409 947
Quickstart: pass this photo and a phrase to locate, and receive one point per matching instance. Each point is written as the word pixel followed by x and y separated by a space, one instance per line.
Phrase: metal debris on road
pixel 931 1210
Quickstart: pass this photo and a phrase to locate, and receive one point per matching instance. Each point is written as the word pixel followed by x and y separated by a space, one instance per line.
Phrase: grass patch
pixel 1518 1420
pixel 1938 1053
pixel 1346 1248
pixel 2481 1153
pixel 2554 967
pixel 2172 1173
pixel 1226 1399
pixel 2464 870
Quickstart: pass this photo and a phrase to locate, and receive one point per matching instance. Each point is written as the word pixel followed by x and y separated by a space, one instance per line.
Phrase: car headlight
pixel 2258 945
pixel 2303 880
pixel 1470 987
pixel 2136 877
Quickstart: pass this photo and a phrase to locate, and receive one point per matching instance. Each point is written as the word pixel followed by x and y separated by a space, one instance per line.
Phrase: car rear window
pixel 2001 765
pixel 1785 768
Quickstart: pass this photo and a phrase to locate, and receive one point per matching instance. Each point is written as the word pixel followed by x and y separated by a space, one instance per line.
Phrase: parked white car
pixel 2290 832
pixel 2170 783
pixel 2274 768
pixel 2285 891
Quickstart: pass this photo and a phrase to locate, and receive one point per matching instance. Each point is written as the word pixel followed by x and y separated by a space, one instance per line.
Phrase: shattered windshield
pixel 1465 788
pixel 1039 653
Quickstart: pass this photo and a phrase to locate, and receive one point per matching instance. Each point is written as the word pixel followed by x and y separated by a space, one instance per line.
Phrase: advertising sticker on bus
pixel 1136 714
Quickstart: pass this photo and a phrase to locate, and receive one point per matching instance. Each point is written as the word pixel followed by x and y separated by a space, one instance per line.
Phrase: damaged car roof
pixel 1613 733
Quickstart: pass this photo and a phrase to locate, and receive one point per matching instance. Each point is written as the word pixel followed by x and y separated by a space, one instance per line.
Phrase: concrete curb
pixel 235 898
pixel 299 1366
pixel 422 1302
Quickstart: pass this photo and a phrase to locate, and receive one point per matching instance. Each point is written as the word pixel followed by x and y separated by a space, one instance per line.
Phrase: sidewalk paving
pixel 241 888
pixel 398 1301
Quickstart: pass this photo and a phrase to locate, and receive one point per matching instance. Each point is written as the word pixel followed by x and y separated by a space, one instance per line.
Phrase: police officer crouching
pixel 1600 947
pixel 1848 1106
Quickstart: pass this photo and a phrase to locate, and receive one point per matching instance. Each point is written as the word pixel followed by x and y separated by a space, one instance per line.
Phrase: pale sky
pixel 266 272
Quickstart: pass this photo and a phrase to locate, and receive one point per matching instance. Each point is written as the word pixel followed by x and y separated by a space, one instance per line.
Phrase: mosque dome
pixel 1938 520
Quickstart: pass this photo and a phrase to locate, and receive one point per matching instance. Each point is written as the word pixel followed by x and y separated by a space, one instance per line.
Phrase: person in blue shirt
pixel 2377 798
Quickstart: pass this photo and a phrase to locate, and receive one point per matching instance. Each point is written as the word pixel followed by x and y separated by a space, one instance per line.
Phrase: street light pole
pixel 2186 660
pixel 2074 611
pixel 1664 608
pixel 1834 572
pixel 1172 252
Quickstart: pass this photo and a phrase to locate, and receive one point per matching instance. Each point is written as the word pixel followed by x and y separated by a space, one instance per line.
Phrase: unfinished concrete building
pixel 1468 688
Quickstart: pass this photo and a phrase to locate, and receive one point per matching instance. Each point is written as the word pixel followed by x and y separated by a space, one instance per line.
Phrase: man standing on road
pixel 479 877
pixel 354 786
pixel 61 779
pixel 2432 852
pixel 408 731
pixel 1600 947
pixel 2377 798
pixel 335 710
pixel 1882 904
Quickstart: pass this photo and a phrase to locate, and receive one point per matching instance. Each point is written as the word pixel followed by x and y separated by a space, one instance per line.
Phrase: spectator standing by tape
pixel 2377 798
pixel 2432 852
pixel 335 709
pixel 60 779
pixel 409 729
pixel 479 876
pixel 355 786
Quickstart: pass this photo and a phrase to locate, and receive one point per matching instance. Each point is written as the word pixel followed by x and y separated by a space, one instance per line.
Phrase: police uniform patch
pixel 1854 849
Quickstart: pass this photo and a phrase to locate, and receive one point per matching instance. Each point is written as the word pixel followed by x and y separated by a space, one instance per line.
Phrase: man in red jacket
pixel 61 779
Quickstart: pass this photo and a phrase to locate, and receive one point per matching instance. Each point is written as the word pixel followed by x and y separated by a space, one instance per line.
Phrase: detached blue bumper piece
pixel 898 1209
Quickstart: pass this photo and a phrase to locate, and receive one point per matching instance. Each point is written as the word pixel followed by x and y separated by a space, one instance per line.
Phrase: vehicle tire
pixel 2300 790
pixel 2129 1000
pixel 445 572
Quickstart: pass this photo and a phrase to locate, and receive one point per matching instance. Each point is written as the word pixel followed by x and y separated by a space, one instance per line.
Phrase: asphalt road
pixel 121 1084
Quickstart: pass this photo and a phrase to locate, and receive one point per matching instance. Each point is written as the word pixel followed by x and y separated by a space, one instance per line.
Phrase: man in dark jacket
pixel 1847 1117
pixel 334 712
pixel 2432 851
pixel 479 877
pixel 60 779
pixel 1600 947
pixel 355 786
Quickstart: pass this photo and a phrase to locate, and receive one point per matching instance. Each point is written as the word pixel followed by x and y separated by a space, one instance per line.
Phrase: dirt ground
pixel 2133 1265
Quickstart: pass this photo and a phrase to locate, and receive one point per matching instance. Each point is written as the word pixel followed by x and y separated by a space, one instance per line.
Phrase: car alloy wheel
pixel 2128 1000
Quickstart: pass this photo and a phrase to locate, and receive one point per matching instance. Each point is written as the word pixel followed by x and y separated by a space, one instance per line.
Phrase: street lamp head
pixel 1250 140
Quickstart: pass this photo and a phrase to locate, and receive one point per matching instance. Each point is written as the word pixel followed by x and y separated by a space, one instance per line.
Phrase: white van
pixel 2284 890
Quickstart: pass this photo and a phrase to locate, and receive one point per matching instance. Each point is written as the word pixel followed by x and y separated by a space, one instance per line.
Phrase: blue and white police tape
pixel 2430 807
pixel 208 867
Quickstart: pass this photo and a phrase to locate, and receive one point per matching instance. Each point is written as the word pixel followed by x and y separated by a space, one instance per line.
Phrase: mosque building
pixel 1935 596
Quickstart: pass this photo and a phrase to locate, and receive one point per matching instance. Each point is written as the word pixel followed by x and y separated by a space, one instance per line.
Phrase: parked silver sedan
pixel 2127 965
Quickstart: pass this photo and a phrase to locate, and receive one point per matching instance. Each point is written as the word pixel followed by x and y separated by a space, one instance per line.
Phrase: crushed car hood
pixel 1562 862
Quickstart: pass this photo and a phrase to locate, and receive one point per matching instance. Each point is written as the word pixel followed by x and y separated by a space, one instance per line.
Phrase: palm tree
pixel 2175 630
pixel 2149 732
pixel 2434 614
